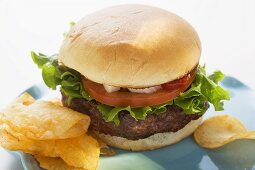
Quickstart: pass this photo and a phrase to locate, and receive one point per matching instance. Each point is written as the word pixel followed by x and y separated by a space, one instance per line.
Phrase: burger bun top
pixel 131 46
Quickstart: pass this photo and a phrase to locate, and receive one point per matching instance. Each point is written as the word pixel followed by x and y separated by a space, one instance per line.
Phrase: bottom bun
pixel 152 142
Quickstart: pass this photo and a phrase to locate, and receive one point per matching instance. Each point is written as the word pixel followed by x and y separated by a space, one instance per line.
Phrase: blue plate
pixel 185 155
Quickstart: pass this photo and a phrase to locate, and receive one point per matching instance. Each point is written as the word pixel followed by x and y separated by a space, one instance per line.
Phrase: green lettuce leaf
pixel 216 77
pixel 55 75
pixel 112 113
pixel 41 59
pixel 203 89
pixel 48 74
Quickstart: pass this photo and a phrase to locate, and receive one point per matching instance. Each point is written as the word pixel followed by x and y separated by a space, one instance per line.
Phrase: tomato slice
pixel 126 98
pixel 180 82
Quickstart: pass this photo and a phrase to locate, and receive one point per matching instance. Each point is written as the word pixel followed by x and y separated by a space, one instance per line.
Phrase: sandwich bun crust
pixel 132 46
pixel 155 141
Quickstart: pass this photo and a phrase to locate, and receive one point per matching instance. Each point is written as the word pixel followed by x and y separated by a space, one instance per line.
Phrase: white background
pixel 226 29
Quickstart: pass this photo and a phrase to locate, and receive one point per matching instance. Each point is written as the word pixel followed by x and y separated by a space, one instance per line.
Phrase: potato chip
pixel 12 140
pixel 25 99
pixel 45 120
pixel 55 134
pixel 220 130
pixel 84 151
pixel 54 163
pixel 56 101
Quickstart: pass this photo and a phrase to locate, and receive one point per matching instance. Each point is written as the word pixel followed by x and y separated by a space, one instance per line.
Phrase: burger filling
pixel 171 120
pixel 140 112
pixel 124 97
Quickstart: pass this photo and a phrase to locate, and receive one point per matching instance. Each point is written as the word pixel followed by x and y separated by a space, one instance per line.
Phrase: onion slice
pixel 147 90
pixel 111 89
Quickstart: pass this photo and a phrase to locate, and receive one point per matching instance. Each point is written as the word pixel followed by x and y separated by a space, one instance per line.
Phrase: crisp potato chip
pixel 47 129
pixel 220 130
pixel 56 101
pixel 12 140
pixel 82 151
pixel 25 99
pixel 54 163
pixel 43 120
pixel 85 151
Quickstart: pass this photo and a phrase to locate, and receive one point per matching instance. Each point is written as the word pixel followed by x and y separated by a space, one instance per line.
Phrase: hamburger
pixel 134 69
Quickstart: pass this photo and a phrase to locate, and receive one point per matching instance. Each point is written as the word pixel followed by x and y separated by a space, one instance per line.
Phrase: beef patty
pixel 172 120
